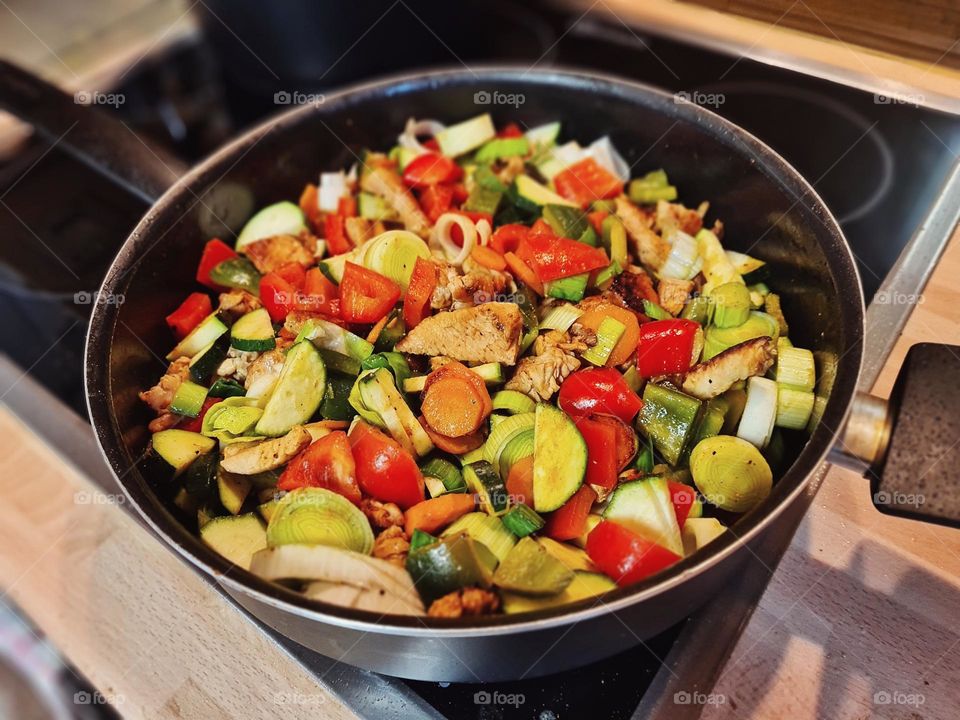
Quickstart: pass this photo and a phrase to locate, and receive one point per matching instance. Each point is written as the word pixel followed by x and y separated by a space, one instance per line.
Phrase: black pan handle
pixel 909 446
pixel 89 134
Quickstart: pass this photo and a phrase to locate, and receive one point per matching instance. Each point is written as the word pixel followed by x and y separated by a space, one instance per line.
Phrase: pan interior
pixel 766 210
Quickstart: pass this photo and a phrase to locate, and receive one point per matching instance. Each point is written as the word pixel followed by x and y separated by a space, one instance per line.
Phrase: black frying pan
pixel 767 208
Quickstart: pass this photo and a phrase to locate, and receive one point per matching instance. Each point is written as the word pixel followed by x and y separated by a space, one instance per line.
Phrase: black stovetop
pixel 878 165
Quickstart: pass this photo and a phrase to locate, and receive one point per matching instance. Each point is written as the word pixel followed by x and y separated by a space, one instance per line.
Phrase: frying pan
pixel 768 209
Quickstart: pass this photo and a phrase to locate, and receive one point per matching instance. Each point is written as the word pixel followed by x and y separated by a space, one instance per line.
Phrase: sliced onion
pixel 607 156
pixel 333 186
pixel 441 231
pixel 418 128
pixel 484 231
pixel 569 153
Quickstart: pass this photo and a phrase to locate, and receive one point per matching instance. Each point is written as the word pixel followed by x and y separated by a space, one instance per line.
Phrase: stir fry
pixel 483 372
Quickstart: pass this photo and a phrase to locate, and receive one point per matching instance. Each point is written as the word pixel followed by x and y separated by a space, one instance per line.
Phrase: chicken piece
pixel 236 364
pixel 359 230
pixel 274 252
pixel 380 514
pixel 647 245
pixel 392 545
pixel 385 182
pixel 540 375
pixel 674 216
pixel 634 286
pixel 467 601
pixel 164 421
pixel 486 333
pixel 715 376
pixel 236 303
pixel 250 458
pixel 457 290
pixel 161 395
pixel 674 294
pixel 263 373
pixel 512 167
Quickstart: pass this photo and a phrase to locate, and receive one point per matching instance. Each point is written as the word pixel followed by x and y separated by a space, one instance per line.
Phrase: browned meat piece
pixel 674 294
pixel 392 545
pixel 512 167
pixel 540 375
pixel 647 245
pixel 236 364
pixel 475 286
pixel 674 216
pixel 485 333
pixel 718 374
pixel 271 253
pixel 635 286
pixel 380 514
pixel 359 230
pixel 235 303
pixel 385 182
pixel 263 373
pixel 161 395
pixel 250 458
pixel 468 601
pixel 164 421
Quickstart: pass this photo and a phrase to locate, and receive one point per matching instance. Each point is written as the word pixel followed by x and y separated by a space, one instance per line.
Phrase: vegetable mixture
pixel 484 372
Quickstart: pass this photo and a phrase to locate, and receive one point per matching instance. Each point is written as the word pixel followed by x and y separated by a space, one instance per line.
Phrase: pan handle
pixel 909 446
pixel 89 134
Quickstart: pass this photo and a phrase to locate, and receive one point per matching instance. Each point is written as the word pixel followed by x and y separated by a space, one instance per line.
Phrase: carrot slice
pixel 519 268
pixel 461 370
pixel 452 406
pixel 375 331
pixel 520 481
pixel 454 445
pixel 488 257
pixel 627 344
pixel 432 515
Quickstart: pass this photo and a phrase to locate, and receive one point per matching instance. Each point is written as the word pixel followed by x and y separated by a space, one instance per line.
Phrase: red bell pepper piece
pixel 196 424
pixel 586 181
pixel 191 311
pixel 596 219
pixel 507 238
pixel 666 346
pixel 570 520
pixel 310 206
pixel 554 258
pixel 682 496
pixel 214 253
pixel 598 391
pixel 435 200
pixel 365 295
pixel 293 273
pixel 601 440
pixel 385 470
pixel 624 556
pixel 326 463
pixel 347 206
pixel 319 294
pixel 334 232
pixel 278 296
pixel 510 130
pixel 431 169
pixel 423 281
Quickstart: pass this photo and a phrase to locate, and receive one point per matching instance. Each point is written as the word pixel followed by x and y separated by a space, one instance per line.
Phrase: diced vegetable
pixel 454 562
pixel 794 407
pixel 236 272
pixel 446 472
pixel 667 418
pixel 190 314
pixel 717 268
pixel 716 339
pixel 570 288
pixel 698 532
pixel 253 332
pixel 666 347
pixel 795 367
pixel 327 463
pixel 645 507
pixel 232 490
pixel 317 516
pixel 468 135
pixel 625 345
pixel 298 392
pixel 365 295
pixel 528 568
pixel 731 305
pixel 759 413
pixel 501 148
pixel 437 513
pixel 585 181
pixel 559 458
pixel 624 556
pixel 282 218
pixel 608 335
pixel 188 399
pixel 730 473
pixel 485 529
pixel 533 192
pixel 522 521
pixel 485 483
pixel 385 470
pixel 512 402
pixel 206 332
pixel 236 538
pixel 598 390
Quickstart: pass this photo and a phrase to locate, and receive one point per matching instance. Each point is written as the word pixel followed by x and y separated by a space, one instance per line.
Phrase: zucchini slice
pixel 253 332
pixel 483 480
pixel 487 530
pixel 233 490
pixel 179 448
pixel 298 393
pixel 646 508
pixel 237 538
pixel 209 329
pixel 559 458
pixel 282 218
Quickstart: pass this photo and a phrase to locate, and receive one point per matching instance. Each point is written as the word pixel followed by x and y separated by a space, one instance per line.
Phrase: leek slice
pixel 466 136
pixel 717 268
pixel 608 334
pixel 503 433
pixel 317 516
pixel 513 402
pixel 730 473
pixel 759 413
pixel 681 262
pixel 731 305
pixel 717 339
pixel 795 367
pixel 394 253
pixel 485 529
pixel 794 407
pixel 614 240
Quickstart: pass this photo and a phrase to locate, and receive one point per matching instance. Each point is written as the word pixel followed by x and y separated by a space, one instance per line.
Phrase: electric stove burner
pixel 845 142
